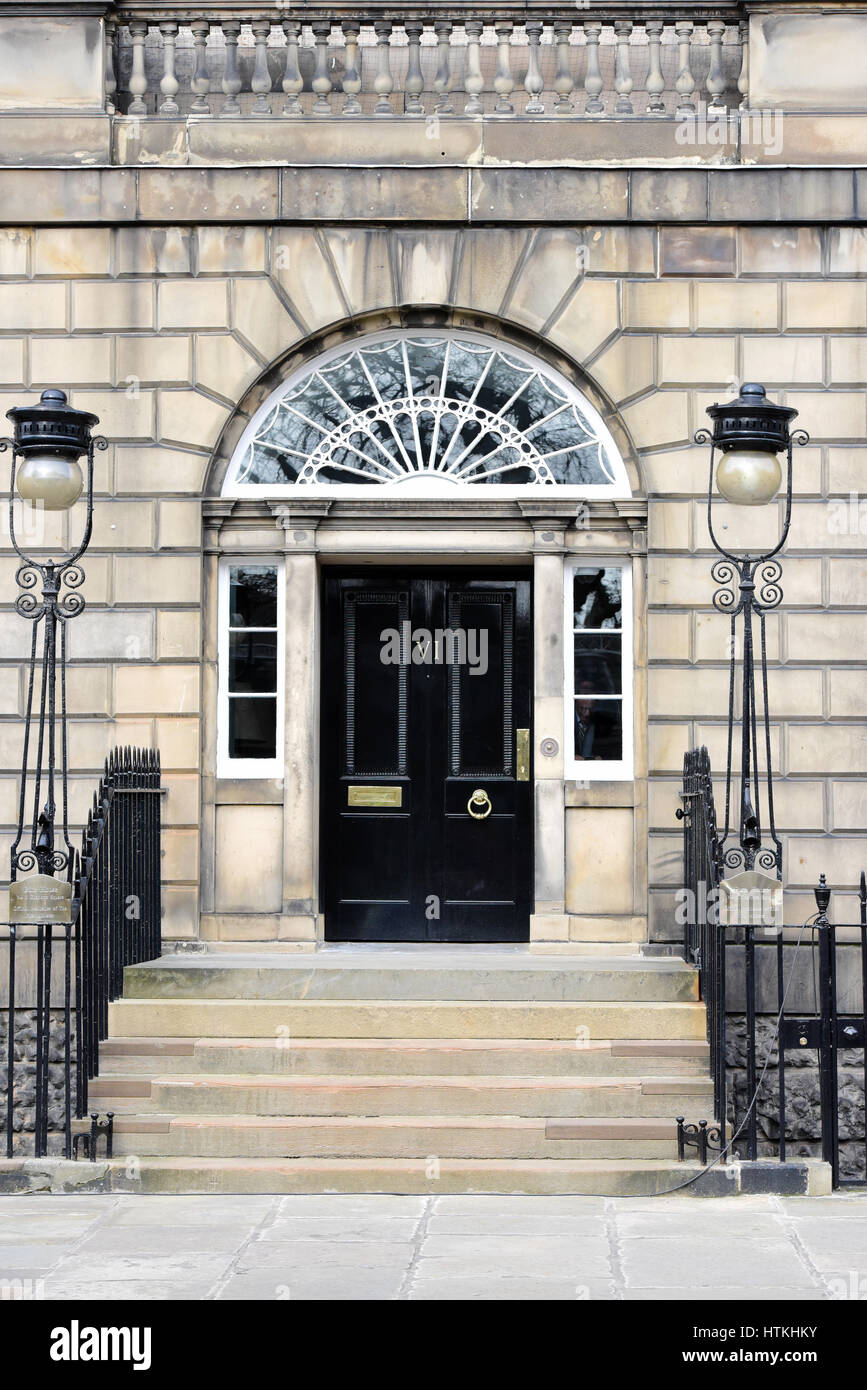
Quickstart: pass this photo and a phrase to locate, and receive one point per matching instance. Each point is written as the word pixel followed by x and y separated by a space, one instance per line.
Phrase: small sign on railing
pixel 751 899
pixel 40 900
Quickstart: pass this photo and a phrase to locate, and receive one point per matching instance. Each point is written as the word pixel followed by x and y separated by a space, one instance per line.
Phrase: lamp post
pixel 749 434
pixel 49 441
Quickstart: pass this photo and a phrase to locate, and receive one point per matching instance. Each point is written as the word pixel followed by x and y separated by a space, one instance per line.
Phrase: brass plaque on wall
pixel 375 796
pixel 40 900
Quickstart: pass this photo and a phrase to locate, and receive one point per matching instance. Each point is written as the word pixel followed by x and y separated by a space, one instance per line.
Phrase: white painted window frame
pixel 604 770
pixel 248 767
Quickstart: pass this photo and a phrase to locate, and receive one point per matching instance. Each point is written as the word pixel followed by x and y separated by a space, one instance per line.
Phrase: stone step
pixel 612 1177
pixel 393 1136
pixel 422 1095
pixel 446 975
pixel 330 1018
pixel 403 1056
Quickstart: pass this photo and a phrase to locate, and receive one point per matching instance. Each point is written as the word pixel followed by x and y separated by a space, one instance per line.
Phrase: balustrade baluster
pixel 293 82
pixel 474 83
pixel 200 82
pixel 110 74
pixel 533 84
pixel 593 75
pixel 321 83
pixel 169 83
pixel 138 83
pixel 622 73
pixel 564 82
pixel 443 105
pixel 504 82
pixel 685 82
pixel 260 82
pixel 655 81
pixel 716 82
pixel 351 72
pixel 414 85
pixel 231 83
pixel 383 83
pixel 744 75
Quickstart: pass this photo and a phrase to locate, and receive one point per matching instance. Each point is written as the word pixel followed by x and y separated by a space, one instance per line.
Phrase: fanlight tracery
pixel 429 410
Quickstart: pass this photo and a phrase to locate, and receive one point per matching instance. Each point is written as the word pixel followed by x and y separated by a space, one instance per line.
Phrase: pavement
pixel 421 1248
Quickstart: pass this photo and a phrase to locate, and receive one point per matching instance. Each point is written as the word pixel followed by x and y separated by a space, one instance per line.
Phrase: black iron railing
pixel 770 992
pixel 61 977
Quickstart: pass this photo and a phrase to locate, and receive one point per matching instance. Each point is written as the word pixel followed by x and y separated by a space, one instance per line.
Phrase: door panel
pixel 426 831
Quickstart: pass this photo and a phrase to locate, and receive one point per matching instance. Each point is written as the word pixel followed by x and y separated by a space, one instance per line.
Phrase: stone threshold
pixel 623 1178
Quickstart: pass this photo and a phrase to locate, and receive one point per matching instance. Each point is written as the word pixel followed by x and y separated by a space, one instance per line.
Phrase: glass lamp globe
pixel 749 477
pixel 50 481
pixel 50 437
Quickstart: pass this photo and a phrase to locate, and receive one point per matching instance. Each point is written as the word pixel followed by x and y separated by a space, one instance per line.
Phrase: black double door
pixel 426 801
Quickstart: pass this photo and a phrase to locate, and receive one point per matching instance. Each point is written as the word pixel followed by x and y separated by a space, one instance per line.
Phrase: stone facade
pixel 169 300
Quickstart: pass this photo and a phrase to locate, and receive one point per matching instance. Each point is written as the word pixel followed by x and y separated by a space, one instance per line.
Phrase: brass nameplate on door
pixel 522 755
pixel 375 796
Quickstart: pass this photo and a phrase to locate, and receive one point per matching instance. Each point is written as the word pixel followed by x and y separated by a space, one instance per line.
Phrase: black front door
pixel 426 808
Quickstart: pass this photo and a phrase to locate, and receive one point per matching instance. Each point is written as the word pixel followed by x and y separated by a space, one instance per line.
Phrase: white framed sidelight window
pixel 251 666
pixel 599 685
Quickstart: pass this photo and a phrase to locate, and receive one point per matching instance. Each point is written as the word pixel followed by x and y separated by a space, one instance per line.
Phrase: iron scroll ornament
pixel 59 601
pixel 749 586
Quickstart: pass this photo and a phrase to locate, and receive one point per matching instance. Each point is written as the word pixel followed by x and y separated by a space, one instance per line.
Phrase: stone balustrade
pixel 502 64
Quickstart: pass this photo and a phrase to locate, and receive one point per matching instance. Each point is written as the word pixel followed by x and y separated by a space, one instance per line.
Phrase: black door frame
pixel 387 573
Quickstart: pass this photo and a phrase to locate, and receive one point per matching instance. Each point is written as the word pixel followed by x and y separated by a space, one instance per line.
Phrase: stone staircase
pixel 474 1069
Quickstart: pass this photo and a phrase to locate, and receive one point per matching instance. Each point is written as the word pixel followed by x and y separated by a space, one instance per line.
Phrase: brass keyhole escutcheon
pixel 481 800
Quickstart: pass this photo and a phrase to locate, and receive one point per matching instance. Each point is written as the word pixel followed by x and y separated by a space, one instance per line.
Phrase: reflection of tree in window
pixel 597 598
pixel 598 654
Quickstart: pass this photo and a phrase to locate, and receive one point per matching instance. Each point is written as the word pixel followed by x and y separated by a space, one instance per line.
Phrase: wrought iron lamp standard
pixel 49 440
pixel 748 434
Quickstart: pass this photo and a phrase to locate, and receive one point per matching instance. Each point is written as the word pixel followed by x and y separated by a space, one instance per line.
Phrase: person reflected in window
pixel 585 725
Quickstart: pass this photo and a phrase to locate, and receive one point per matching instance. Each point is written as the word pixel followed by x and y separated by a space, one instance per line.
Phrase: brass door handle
pixel 479 798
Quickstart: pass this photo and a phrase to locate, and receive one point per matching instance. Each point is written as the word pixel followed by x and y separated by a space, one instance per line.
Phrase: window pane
pixel 597 598
pixel 253 596
pixel 598 729
pixel 252 728
pixel 598 665
pixel 252 661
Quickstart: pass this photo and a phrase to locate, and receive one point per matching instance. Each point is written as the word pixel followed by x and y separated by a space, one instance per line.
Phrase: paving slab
pixel 376 1228
pixel 649 1263
pixel 510 1289
pixel 309 1254
pixel 329 1285
pixel 165 1240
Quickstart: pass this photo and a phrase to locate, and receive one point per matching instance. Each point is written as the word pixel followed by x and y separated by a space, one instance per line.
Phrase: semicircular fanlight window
pixel 425 409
